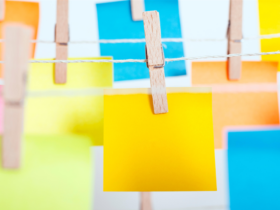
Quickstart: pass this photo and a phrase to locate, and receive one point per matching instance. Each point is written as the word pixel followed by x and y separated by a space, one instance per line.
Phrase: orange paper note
pixel 252 100
pixel 26 13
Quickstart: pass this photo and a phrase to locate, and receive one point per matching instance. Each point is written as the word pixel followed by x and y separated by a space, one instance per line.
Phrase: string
pixel 115 41
pixel 144 60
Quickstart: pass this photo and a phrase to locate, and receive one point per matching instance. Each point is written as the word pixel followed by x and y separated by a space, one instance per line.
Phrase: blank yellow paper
pixel 55 175
pixel 79 75
pixel 166 152
pixel 269 24
pixel 73 108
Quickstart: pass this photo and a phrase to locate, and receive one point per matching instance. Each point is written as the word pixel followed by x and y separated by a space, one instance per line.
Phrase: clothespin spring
pixel 163 58
pixel 62 43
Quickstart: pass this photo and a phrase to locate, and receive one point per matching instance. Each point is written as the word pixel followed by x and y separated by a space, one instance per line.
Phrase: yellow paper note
pixel 79 75
pixel 269 24
pixel 165 152
pixel 55 174
pixel 73 108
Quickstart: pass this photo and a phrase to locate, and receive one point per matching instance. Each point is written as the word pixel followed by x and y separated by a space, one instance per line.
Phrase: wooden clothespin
pixel 137 8
pixel 17 51
pixel 234 38
pixel 61 39
pixel 2 9
pixel 146 203
pixel 155 61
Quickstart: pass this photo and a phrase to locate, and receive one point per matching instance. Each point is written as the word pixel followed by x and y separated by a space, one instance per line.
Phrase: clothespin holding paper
pixel 17 51
pixel 234 38
pixel 2 9
pixel 155 61
pixel 61 39
pixel 137 9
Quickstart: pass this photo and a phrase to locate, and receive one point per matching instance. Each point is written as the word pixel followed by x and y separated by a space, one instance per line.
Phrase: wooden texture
pixel 236 19
pixel 155 59
pixel 60 75
pixel 146 203
pixel 17 51
pixel 153 38
pixel 2 9
pixel 16 59
pixel 61 38
pixel 234 64
pixel 234 39
pixel 12 137
pixel 137 8
pixel 62 27
pixel 158 88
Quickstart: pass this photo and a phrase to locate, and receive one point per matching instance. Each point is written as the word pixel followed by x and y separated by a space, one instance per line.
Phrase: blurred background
pixel 247 152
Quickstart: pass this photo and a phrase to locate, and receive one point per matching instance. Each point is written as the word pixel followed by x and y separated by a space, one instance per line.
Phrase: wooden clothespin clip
pixel 155 61
pixel 146 203
pixel 234 38
pixel 61 39
pixel 137 8
pixel 17 51
pixel 2 9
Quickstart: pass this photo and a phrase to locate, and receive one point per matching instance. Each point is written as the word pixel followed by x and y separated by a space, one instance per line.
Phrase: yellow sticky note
pixel 165 152
pixel 269 24
pixel 73 108
pixel 79 75
pixel 55 174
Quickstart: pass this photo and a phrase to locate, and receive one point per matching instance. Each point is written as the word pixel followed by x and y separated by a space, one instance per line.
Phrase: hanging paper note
pixel 167 152
pixel 161 200
pixel 55 174
pixel 269 24
pixel 253 167
pixel 252 100
pixel 73 108
pixel 26 13
pixel 124 27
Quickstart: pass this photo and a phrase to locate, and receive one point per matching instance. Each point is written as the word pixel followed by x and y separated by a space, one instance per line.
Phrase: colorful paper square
pixel 252 100
pixel 73 108
pixel 55 174
pixel 166 152
pixel 26 13
pixel 253 164
pixel 124 27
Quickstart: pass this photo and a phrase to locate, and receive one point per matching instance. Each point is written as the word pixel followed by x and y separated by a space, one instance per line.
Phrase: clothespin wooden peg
pixel 61 39
pixel 137 8
pixel 155 61
pixel 2 9
pixel 17 51
pixel 234 38
pixel 146 203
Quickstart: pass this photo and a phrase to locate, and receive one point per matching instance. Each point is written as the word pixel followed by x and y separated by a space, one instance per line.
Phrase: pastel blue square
pixel 253 166
pixel 115 22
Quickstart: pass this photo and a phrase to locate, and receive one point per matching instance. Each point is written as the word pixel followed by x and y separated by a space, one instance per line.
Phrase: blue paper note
pixel 253 163
pixel 115 22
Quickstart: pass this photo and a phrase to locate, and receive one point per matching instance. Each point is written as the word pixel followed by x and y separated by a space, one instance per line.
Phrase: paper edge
pixel 129 91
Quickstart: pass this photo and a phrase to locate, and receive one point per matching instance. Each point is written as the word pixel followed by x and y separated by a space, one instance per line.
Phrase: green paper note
pixel 55 175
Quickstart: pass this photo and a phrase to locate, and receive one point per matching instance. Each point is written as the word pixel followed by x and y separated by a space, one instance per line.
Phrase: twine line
pixel 115 41
pixel 144 60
